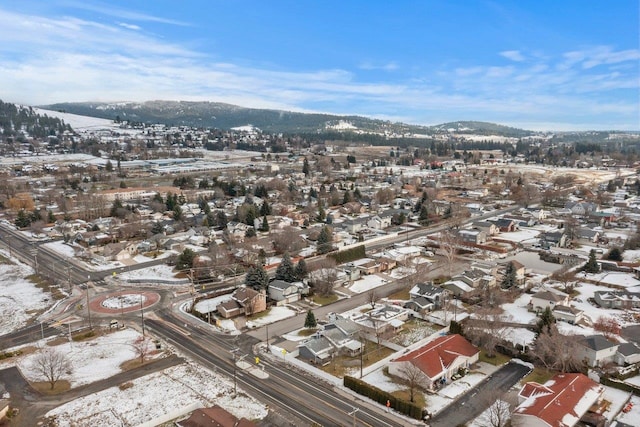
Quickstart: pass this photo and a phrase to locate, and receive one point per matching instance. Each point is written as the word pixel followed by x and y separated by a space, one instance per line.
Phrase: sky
pixel 539 65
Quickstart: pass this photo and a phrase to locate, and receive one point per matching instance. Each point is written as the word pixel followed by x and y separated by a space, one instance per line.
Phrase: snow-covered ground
pixel 174 391
pixel 275 314
pixel 62 248
pixel 209 305
pixel 123 301
pixel 156 272
pixel 19 298
pixel 614 278
pixel 367 283
pixel 517 310
pixel 91 360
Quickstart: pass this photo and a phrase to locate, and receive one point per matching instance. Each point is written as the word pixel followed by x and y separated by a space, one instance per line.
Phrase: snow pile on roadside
pixel 155 395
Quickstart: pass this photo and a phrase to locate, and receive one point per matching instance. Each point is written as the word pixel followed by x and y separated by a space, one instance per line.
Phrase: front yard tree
pixel 413 378
pixel 510 279
pixel 142 347
pixel 615 254
pixel 325 240
pixel 592 264
pixel 310 320
pixel 301 269
pixel 257 277
pixel 264 227
pixel 546 321
pixel 52 365
pixel 185 259
pixel 558 352
pixel 285 270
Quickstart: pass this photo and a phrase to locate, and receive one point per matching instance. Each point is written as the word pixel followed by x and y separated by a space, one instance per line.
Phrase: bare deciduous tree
pixel 488 329
pixel 142 347
pixel 372 297
pixel 52 365
pixel 567 277
pixel 557 351
pixel 449 243
pixel 413 378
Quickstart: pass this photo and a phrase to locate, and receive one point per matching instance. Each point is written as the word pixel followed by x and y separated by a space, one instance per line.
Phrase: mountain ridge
pixel 228 116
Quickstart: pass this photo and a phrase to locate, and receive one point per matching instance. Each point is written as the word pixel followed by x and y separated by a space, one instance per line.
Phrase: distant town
pixel 158 274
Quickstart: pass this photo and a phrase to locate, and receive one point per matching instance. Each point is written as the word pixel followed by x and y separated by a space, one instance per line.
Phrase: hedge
pixel 348 255
pixel 381 396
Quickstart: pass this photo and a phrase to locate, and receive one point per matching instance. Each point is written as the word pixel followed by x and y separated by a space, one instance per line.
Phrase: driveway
pixel 479 398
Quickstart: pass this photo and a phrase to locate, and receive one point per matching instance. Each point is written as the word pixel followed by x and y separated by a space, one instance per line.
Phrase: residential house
pixel 581 208
pixel 283 292
pixel 623 300
pixel 567 313
pixel 596 350
pixel 438 360
pixel 548 298
pixel 426 297
pixel 456 287
pixel 488 227
pixel 355 225
pixel 245 301
pixel 336 337
pixel 317 350
pixel 627 354
pixel 120 251
pixel 379 222
pixel 518 266
pixel 588 234
pixel 214 417
pixel 506 225
pixel 554 239
pixel 522 220
pixel 474 237
pixel 382 319
pixel 560 402
pixel 476 278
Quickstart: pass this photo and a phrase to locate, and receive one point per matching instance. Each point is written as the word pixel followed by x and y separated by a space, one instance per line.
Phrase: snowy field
pixel 614 278
pixel 91 360
pixel 173 391
pixel 367 283
pixel 156 272
pixel 517 310
pixel 19 298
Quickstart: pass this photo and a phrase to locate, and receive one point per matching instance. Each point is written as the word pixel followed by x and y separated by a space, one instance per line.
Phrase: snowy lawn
pixel 367 283
pixel 92 360
pixel 615 278
pixel 631 418
pixel 162 272
pixel 586 291
pixel 617 399
pixel 62 248
pixel 523 235
pixel 378 379
pixel 19 298
pixel 209 305
pixel 518 310
pixel 153 396
pixel 273 315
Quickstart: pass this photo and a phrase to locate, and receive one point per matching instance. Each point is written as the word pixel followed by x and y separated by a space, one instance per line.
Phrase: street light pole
pixel 142 314
pixel 88 305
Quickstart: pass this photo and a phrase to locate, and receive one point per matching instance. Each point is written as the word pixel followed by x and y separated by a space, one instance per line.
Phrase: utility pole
pixel 142 314
pixel 88 305
pixel 267 325
pixel 235 369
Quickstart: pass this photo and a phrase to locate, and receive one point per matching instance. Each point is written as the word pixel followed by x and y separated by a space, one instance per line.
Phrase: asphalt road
pixel 27 335
pixel 306 400
pixel 479 398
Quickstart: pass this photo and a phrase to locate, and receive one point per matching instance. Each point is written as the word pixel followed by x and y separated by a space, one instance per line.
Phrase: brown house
pixel 245 301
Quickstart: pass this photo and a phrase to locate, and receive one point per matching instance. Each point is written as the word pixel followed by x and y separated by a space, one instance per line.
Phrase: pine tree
pixel 324 240
pixel 265 209
pixel 510 279
pixel 592 264
pixel 347 197
pixel 256 277
pixel 321 214
pixel 546 321
pixel 185 259
pixel 265 224
pixel 301 269
pixel 285 270
pixel 310 320
pixel 305 167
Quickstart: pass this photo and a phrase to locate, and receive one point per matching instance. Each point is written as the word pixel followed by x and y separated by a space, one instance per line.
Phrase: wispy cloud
pixel 513 55
pixel 54 59
pixel 116 12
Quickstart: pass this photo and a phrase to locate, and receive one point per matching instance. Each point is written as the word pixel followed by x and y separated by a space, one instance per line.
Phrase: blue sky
pixel 542 65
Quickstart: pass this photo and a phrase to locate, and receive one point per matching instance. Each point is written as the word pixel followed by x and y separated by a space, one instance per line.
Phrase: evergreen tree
pixel 423 219
pixel 545 322
pixel 251 232
pixel 51 216
pixel 265 224
pixel 321 214
pixel 265 209
pixel 592 264
pixel 221 219
pixel 357 195
pixel 305 167
pixel 23 219
pixel 117 205
pixel 285 270
pixel 177 213
pixel 185 259
pixel 614 254
pixel 256 278
pixel 156 228
pixel 310 320
pixel 301 269
pixel 325 240
pixel 347 197
pixel 510 278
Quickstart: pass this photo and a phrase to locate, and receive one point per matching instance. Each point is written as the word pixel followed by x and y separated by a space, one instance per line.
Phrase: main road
pixel 307 400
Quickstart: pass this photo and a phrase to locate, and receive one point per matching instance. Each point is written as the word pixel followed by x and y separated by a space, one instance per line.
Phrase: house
pixel 555 238
pixel 581 208
pixel 475 237
pixel 214 417
pixel 426 297
pixel 506 225
pixel 596 350
pixel 438 360
pixel 623 300
pixel 560 402
pixel 382 319
pixel 283 292
pixel 518 267
pixel 379 222
pixel 627 354
pixel 318 350
pixel 457 287
pixel 488 227
pixel 588 234
pixel 476 278
pixel 336 337
pixel 245 301
pixel 567 313
pixel 547 298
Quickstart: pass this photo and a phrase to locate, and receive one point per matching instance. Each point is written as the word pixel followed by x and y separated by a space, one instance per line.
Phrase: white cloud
pixel 117 12
pixel 129 26
pixel 513 55
pixel 389 66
